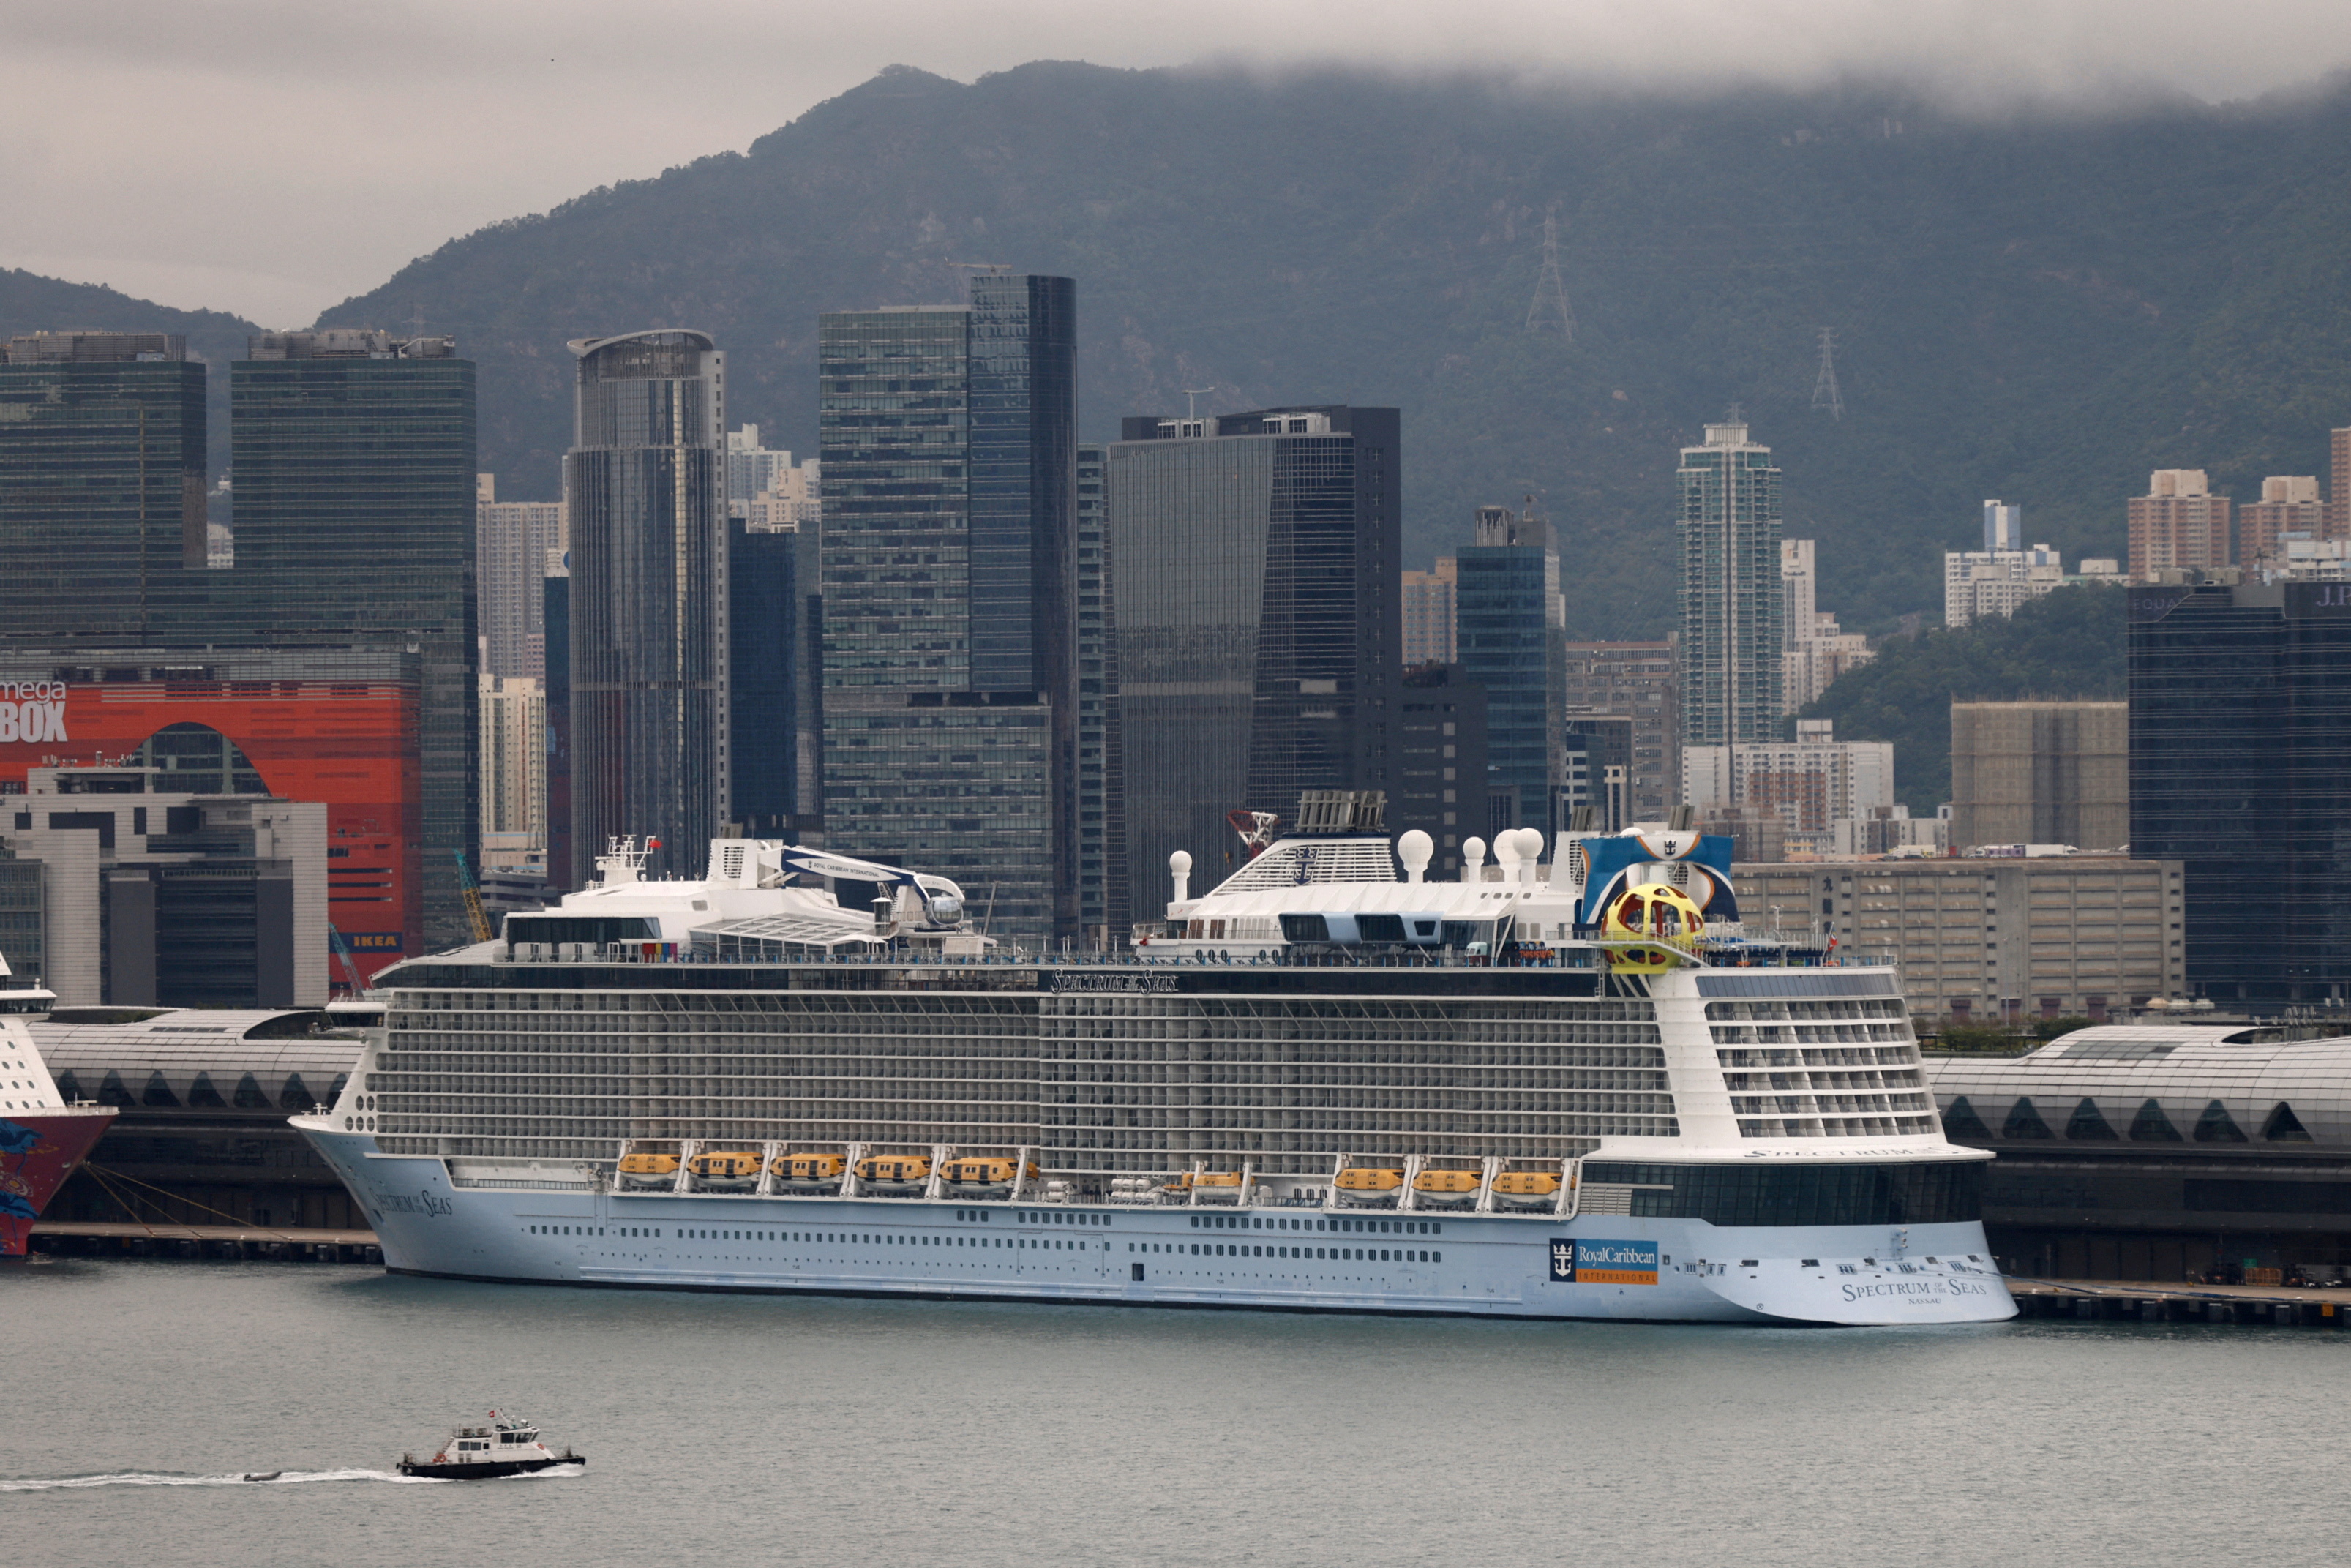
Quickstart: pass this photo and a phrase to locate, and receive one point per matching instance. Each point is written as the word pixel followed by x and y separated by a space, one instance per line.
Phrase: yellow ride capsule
pixel 1655 912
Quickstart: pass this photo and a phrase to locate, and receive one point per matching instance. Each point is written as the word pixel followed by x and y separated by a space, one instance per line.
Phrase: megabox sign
pixel 33 711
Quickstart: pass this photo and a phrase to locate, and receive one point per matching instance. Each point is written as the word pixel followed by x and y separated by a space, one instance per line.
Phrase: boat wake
pixel 157 1479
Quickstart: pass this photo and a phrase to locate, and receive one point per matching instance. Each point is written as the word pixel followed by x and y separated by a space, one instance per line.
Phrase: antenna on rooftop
pixel 1550 288
pixel 1191 410
pixel 1824 389
pixel 416 320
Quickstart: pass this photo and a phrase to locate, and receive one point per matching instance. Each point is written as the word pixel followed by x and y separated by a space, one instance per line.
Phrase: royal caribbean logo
pixel 1575 1261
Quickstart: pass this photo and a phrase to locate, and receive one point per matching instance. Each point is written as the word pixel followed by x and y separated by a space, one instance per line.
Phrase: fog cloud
pixel 275 156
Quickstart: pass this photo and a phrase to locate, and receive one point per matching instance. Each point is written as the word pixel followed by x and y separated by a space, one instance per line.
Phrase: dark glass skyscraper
pixel 2240 767
pixel 1255 620
pixel 647 481
pixel 763 623
pixel 354 455
pixel 1512 640
pixel 101 485
pixel 948 439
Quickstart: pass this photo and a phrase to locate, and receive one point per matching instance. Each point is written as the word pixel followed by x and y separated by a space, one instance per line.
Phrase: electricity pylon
pixel 1550 288
pixel 1824 389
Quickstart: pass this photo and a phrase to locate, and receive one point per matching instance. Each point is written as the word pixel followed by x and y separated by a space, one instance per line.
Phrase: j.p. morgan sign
pixel 32 711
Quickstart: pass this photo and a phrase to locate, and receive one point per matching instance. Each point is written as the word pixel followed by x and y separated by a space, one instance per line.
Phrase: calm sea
pixel 740 1430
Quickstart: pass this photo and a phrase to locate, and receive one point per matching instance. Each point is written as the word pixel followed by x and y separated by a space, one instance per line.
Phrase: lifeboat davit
pixel 1527 1189
pixel 648 1173
pixel 983 1177
pixel 1446 1189
pixel 810 1171
pixel 724 1170
pixel 893 1175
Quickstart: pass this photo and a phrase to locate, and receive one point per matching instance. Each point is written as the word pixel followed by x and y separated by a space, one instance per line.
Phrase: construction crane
pixel 343 957
pixel 473 916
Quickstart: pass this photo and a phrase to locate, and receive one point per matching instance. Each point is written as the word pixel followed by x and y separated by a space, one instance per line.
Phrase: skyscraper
pixel 1254 618
pixel 514 542
pixel 2241 767
pixel 646 483
pixel 1513 629
pixel 354 454
pixel 763 631
pixel 1731 609
pixel 1105 907
pixel 949 445
pixel 1431 625
pixel 101 484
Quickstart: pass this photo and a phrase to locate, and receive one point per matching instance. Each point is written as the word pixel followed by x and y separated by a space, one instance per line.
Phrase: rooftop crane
pixel 473 916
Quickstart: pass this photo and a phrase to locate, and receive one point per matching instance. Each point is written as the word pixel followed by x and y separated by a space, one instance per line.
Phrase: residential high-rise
pixel 1813 782
pixel 1431 628
pixel 2178 523
pixel 513 543
pixel 1513 631
pixel 1635 681
pixel 2289 504
pixel 949 438
pixel 103 499
pixel 354 454
pixel 2240 767
pixel 1818 650
pixel 1731 635
pixel 646 483
pixel 1977 583
pixel 2004 527
pixel 1254 622
pixel 514 774
pixel 2041 773
pixel 2338 492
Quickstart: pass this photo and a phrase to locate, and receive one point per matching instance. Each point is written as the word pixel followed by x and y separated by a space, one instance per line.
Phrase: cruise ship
pixel 1572 1084
pixel 43 1136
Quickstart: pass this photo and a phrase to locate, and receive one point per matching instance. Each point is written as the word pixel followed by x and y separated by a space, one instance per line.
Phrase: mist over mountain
pixel 2040 309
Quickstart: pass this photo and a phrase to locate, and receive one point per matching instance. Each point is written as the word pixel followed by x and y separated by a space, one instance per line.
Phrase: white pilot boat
pixel 504 1446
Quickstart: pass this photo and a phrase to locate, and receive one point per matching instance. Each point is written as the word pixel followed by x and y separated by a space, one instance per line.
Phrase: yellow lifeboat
pixel 1527 1189
pixel 1651 926
pixel 649 1172
pixel 983 1176
pixel 724 1170
pixel 1446 1188
pixel 886 1174
pixel 810 1171
pixel 1370 1182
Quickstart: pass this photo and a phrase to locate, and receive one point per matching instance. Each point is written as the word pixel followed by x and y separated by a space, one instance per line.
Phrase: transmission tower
pixel 1550 289
pixel 1824 390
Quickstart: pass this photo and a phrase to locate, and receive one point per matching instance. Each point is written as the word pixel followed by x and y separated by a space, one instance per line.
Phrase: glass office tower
pixel 646 476
pixel 2240 768
pixel 1255 617
pixel 948 439
pixel 1103 906
pixel 101 485
pixel 1512 637
pixel 1731 610
pixel 354 455
pixel 763 623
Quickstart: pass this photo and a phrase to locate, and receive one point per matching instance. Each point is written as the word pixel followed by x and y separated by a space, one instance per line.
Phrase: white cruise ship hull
pixel 1594 1267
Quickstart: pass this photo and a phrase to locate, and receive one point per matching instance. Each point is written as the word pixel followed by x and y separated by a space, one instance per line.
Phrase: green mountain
pixel 2068 644
pixel 2041 308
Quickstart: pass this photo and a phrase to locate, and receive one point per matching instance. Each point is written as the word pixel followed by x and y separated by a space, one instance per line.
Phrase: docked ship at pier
pixel 1572 1085
pixel 43 1136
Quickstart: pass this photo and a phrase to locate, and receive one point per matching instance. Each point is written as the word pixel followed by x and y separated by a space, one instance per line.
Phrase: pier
pixel 2137 1301
pixel 103 1238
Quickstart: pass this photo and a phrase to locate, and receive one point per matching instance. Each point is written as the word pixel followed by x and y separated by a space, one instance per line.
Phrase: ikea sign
pixel 1578 1261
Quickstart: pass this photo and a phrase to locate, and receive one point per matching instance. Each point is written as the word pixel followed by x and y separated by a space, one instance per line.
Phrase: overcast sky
pixel 274 157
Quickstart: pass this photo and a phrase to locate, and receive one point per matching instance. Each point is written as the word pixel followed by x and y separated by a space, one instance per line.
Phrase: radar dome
pixel 1414 850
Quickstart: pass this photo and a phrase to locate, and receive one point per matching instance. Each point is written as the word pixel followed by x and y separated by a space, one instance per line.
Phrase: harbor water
pixel 840 1431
